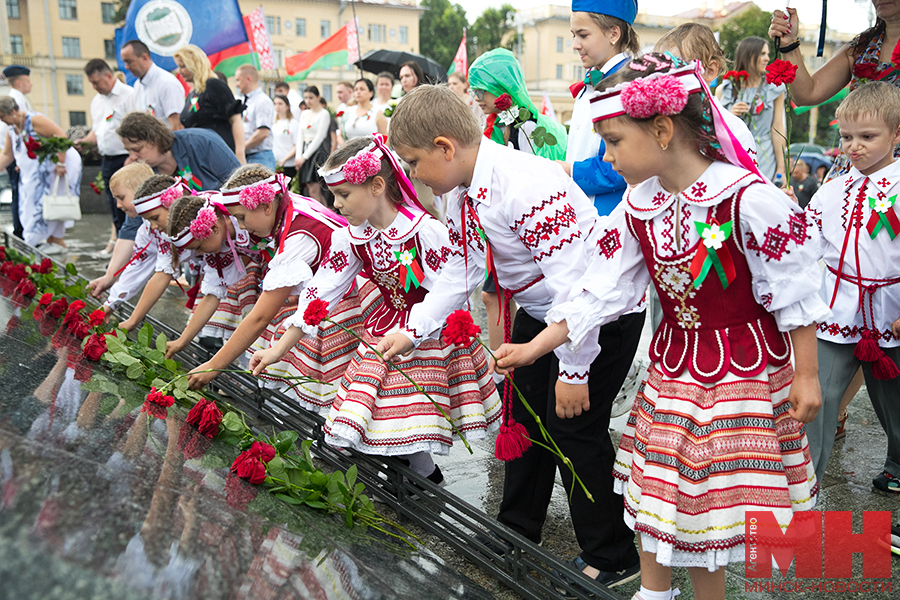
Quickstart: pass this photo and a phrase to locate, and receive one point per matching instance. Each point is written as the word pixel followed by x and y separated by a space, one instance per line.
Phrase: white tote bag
pixel 59 203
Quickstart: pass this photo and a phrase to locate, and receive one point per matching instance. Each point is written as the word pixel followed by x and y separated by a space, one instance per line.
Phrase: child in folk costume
pixel 857 216
pixel 152 201
pixel 402 249
pixel 717 429
pixel 231 271
pixel 521 216
pixel 302 230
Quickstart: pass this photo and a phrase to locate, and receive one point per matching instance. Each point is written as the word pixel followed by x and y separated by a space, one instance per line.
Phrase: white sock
pixel 421 463
pixel 646 594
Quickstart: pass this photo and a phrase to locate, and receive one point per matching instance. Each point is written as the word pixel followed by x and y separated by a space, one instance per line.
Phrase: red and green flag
pixel 460 61
pixel 342 48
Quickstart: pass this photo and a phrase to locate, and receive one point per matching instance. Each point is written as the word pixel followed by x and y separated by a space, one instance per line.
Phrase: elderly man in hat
pixel 19 79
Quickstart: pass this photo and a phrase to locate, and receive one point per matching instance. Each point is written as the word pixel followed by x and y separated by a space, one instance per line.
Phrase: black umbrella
pixel 377 61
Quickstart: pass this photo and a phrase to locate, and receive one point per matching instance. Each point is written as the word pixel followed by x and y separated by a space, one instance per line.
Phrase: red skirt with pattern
pixel 324 357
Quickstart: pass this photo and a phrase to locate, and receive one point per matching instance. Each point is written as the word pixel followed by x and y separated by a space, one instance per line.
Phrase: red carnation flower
pixel 75 307
pixel 212 419
pixel 156 404
pixel 866 70
pixel 262 451
pixel 95 188
pixel 32 144
pixel 249 468
pixel 58 308
pixel 31 154
pixel 5 267
pixel 17 273
pixel 339 114
pixel 315 312
pixel 195 415
pixel 780 71
pixel 45 266
pixel 96 317
pixel 504 102
pixel 460 329
pixel 46 299
pixel 26 288
pixel 95 347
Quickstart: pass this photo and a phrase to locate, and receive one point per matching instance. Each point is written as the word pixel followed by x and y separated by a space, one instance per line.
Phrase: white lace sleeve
pixel 781 243
pixel 290 268
pixel 335 276
pixel 615 281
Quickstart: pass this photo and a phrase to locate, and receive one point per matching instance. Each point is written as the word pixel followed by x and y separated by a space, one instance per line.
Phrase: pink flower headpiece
pixel 200 226
pixel 257 193
pixel 161 199
pixel 661 96
pixel 362 166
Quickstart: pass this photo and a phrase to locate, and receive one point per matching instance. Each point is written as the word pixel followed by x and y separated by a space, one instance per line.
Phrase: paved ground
pixel 478 478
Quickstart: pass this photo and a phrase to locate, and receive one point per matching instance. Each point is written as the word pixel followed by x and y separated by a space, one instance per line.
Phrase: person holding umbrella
pixel 411 76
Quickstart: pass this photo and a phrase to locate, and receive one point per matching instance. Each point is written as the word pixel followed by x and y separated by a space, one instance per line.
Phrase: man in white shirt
pixel 157 92
pixel 294 98
pixel 113 101
pixel 19 79
pixel 258 118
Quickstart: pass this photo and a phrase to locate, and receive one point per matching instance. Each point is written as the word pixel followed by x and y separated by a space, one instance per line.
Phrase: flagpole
pixel 358 50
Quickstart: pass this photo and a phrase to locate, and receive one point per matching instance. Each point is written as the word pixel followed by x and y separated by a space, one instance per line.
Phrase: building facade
pixel 56 38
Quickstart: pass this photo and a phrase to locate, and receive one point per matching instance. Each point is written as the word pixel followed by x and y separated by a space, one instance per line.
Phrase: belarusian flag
pixel 257 51
pixel 460 61
pixel 342 48
pixel 547 107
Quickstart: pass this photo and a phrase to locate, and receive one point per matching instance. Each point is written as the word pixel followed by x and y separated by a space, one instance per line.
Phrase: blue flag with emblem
pixel 165 26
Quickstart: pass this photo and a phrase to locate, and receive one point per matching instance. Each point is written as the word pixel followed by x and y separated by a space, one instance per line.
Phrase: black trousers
pixel 606 542
pixel 13 173
pixel 108 166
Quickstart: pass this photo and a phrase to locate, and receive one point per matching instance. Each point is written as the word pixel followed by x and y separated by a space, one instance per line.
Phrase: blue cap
pixel 620 9
pixel 15 71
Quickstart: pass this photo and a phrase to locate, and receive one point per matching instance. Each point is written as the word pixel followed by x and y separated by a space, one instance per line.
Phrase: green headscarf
pixel 499 73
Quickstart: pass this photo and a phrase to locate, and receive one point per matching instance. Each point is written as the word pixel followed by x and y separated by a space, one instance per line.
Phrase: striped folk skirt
pixel 324 357
pixel 378 411
pixel 695 457
pixel 237 304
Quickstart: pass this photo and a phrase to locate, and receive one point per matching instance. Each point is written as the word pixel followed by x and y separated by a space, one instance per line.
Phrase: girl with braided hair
pixel 717 428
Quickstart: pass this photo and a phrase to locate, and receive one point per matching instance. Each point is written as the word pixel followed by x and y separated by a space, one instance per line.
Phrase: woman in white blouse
pixel 313 145
pixel 362 119
pixel 284 136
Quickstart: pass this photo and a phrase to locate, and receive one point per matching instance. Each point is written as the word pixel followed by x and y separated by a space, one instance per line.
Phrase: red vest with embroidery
pixel 320 233
pixel 394 310
pixel 710 331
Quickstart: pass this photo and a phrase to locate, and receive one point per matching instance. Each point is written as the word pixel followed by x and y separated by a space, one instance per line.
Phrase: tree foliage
pixel 441 30
pixel 753 21
pixel 489 30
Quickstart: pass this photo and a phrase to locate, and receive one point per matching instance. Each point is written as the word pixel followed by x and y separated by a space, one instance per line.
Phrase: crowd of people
pixel 657 181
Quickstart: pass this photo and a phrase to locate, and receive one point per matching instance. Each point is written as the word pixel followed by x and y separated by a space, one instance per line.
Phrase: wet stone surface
pixel 73 515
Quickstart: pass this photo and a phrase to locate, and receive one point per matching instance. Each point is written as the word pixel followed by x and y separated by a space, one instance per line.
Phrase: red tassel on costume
pixel 867 349
pixel 512 441
pixel 884 368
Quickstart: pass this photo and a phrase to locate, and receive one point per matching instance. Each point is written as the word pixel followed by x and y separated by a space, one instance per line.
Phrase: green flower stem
pixel 408 378
pixel 546 434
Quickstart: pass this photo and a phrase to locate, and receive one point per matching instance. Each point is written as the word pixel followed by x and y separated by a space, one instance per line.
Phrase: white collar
pixel 718 181
pixel 884 179
pixel 608 65
pixel 117 88
pixel 401 228
pixel 151 74
pixel 483 174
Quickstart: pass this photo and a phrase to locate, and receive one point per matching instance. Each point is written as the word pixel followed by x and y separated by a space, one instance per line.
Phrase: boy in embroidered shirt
pixel 537 224
pixel 862 278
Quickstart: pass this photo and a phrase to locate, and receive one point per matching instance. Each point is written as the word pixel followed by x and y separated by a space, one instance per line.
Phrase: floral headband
pixel 161 199
pixel 259 192
pixel 666 93
pixel 200 226
pixel 367 163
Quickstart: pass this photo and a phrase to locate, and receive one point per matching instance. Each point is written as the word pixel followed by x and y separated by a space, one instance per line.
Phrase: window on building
pixel 377 33
pixel 71 47
pixel 325 29
pixel 559 43
pixel 404 34
pixel 77 117
pixel 559 72
pixel 68 11
pixel 273 24
pixel 108 12
pixel 278 55
pixel 300 27
pixel 12 9
pixel 326 92
pixel 74 85
pixel 15 44
pixel 109 49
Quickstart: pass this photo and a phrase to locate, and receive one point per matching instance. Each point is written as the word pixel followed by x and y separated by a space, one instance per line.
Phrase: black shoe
pixel 887 483
pixel 493 543
pixel 610 579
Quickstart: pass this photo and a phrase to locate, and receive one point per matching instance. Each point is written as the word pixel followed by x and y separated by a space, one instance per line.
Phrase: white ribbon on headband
pixel 145 204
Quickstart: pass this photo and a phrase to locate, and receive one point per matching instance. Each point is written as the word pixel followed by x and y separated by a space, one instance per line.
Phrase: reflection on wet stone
pixel 99 501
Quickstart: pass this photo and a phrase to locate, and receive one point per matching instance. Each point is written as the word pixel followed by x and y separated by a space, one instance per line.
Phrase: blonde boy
pixel 539 225
pixel 858 217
